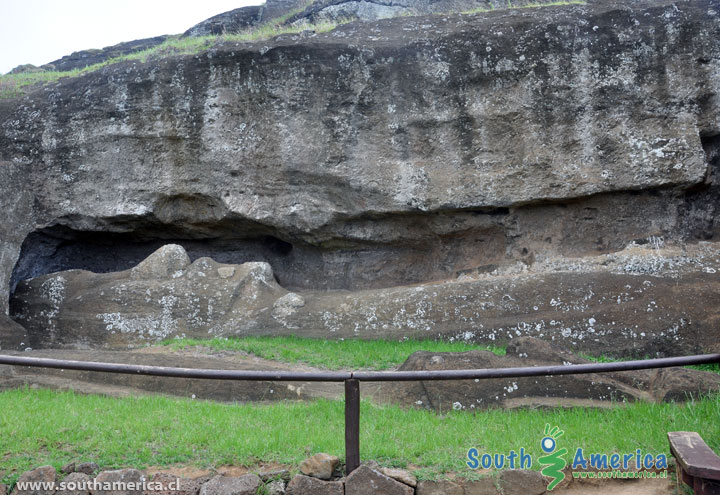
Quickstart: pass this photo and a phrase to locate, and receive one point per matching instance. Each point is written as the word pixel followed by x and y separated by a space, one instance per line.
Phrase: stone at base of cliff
pixel 89 468
pixel 305 485
pixel 485 486
pixel 121 477
pixel 521 482
pixel 168 482
pixel 276 487
pixel 365 480
pixel 225 485
pixel 400 475
pixel 439 488
pixel 13 337
pixel 43 474
pixel 319 466
pixel 79 482
pixel 589 390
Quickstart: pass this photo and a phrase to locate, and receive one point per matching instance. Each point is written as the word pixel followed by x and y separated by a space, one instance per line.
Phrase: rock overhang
pixel 448 136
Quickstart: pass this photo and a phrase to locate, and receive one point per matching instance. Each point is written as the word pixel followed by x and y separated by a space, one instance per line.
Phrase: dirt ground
pixel 615 487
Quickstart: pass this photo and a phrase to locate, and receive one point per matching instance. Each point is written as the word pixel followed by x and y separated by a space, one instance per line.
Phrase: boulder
pixel 521 482
pixel 68 468
pixel 89 468
pixel 276 474
pixel 45 475
pixel 276 487
pixel 485 486
pixel 443 487
pixel 400 475
pixel 596 389
pixel 173 485
pixel 119 482
pixel 320 466
pixel 306 485
pixel 74 484
pixel 366 480
pixel 226 485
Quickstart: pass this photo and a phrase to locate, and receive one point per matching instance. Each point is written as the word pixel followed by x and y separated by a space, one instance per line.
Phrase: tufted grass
pixel 39 427
pixel 331 354
pixel 351 354
pixel 511 5
pixel 712 367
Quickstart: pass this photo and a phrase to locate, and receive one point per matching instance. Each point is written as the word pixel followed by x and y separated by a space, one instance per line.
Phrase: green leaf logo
pixel 554 462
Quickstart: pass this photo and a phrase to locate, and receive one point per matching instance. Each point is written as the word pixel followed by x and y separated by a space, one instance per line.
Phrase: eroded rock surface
pixel 632 303
pixel 164 296
pixel 405 151
pixel 597 389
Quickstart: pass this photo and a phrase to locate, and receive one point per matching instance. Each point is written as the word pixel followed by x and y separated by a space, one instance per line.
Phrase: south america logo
pixel 554 462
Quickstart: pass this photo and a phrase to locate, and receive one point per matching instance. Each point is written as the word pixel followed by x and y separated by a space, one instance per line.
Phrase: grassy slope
pixel 348 354
pixel 330 354
pixel 40 427
pixel 15 85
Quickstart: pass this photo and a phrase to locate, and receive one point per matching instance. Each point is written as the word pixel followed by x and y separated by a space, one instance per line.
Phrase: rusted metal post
pixel 352 425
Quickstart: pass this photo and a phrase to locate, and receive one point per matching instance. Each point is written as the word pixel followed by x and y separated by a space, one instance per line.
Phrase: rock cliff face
pixel 513 149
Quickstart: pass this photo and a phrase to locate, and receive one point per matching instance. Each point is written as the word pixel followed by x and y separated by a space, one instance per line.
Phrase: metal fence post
pixel 352 425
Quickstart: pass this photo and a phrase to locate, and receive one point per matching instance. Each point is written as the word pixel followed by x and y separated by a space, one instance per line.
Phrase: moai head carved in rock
pixel 163 296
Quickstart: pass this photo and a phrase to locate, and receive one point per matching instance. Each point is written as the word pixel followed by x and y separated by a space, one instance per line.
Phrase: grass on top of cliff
pixel 510 5
pixel 40 427
pixel 330 354
pixel 15 85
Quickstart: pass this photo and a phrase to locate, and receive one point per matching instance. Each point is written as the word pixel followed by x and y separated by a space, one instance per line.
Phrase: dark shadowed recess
pixel 296 264
pixel 61 248
pixel 702 209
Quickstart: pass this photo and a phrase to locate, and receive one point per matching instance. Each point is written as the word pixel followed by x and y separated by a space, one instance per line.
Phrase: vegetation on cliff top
pixel 15 85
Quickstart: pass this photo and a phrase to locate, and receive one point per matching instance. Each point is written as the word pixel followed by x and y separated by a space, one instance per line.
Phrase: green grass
pixel 352 354
pixel 510 5
pixel 39 427
pixel 712 367
pixel 14 85
pixel 331 354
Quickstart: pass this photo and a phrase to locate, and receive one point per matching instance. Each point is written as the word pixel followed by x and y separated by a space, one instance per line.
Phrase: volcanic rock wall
pixel 378 155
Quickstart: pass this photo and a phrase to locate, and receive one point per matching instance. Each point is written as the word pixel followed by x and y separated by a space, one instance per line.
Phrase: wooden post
pixel 352 425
